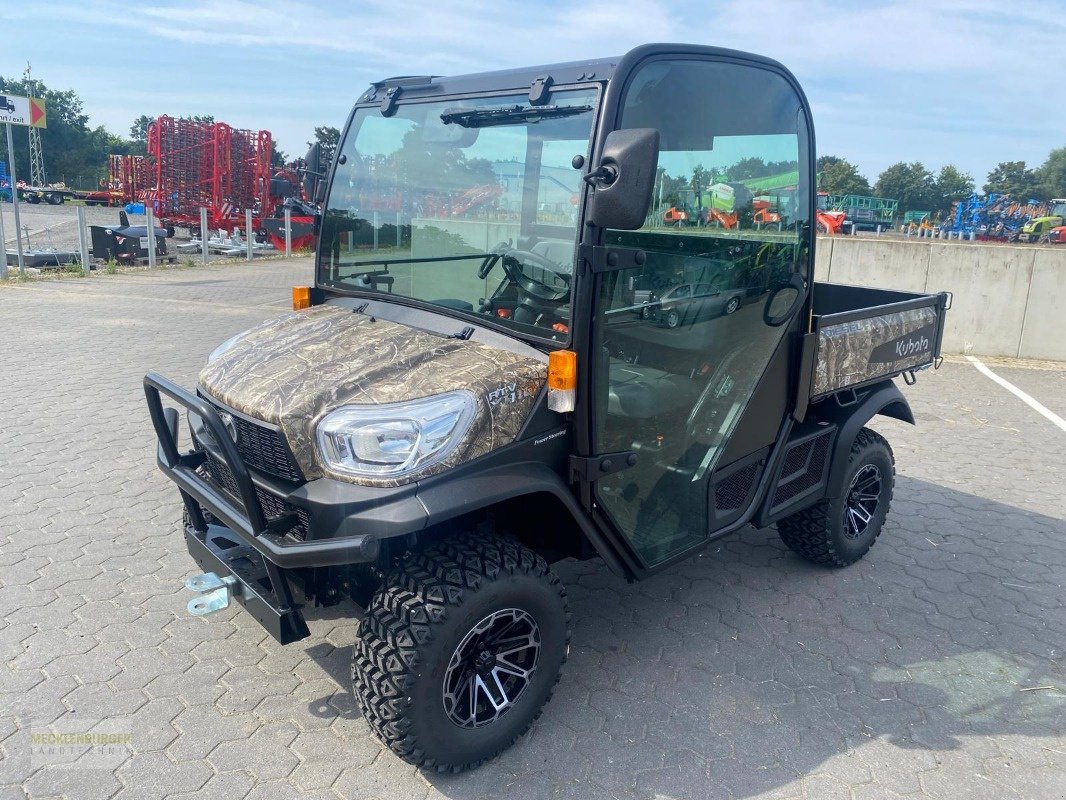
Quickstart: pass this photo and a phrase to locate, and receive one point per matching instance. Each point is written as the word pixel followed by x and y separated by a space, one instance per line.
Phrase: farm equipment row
pixel 1000 217
pixel 192 165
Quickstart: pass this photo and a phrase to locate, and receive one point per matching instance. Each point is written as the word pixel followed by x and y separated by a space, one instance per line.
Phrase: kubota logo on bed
pixel 909 346
pixel 918 343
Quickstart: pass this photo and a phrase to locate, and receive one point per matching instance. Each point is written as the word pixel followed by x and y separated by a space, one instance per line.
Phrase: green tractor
pixel 1038 227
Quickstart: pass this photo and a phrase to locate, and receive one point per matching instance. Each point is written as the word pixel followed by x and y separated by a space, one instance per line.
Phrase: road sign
pixel 28 111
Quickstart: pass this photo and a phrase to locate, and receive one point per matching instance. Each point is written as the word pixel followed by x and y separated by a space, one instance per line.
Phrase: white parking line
pixel 1030 401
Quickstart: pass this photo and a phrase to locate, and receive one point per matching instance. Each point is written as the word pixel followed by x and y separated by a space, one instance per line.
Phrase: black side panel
pixel 801 477
pixel 733 488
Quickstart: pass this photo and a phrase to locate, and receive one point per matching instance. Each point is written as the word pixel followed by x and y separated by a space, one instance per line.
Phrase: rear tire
pixel 431 633
pixel 839 531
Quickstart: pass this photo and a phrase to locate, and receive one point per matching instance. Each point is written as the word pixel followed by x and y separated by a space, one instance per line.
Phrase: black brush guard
pixel 247 545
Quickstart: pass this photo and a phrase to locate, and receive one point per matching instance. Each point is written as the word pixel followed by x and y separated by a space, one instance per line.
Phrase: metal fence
pixel 77 238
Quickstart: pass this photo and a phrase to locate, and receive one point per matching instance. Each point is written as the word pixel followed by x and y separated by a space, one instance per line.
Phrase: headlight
pixel 394 439
pixel 226 345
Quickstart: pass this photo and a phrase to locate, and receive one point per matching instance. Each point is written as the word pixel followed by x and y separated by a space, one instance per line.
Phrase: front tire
pixel 459 651
pixel 839 531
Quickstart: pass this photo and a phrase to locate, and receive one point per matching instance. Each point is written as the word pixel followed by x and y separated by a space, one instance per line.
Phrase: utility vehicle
pixel 468 391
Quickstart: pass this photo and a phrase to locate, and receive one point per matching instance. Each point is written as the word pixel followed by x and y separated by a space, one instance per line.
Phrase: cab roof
pixel 596 69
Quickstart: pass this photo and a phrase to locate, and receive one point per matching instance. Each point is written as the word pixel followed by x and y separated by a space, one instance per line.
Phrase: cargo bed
pixel 860 335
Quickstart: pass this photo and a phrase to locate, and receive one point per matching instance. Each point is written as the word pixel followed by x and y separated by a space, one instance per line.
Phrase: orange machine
pixel 831 222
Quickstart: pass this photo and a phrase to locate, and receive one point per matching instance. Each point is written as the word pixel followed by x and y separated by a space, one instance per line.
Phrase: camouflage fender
pixel 293 370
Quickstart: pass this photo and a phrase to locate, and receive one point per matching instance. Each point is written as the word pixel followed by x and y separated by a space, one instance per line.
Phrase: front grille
pixel 273 506
pixel 263 448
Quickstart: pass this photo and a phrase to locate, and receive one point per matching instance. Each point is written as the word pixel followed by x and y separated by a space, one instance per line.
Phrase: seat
pixel 640 392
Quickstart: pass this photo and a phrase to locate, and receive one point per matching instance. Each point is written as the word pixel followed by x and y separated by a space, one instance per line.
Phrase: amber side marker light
pixel 562 380
pixel 301 297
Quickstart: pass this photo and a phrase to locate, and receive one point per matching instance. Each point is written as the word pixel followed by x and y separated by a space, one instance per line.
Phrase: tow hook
pixel 214 593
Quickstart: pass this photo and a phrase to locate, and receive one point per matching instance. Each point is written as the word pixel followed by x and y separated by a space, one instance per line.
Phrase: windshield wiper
pixel 507 115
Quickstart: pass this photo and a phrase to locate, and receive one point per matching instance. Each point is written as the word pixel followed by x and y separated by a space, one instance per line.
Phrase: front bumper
pixel 238 538
pixel 348 522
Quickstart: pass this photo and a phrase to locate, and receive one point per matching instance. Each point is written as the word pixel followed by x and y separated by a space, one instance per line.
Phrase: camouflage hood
pixel 293 370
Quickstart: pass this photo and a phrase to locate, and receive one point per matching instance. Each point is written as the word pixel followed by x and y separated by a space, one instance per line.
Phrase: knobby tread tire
pixel 808 532
pixel 403 616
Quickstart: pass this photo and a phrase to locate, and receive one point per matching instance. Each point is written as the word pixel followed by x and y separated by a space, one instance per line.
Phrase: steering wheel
pixel 513 259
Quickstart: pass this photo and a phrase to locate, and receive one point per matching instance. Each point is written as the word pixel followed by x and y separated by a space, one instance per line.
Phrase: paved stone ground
pixel 932 668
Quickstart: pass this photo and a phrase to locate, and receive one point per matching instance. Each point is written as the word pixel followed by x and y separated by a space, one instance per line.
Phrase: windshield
pixel 470 205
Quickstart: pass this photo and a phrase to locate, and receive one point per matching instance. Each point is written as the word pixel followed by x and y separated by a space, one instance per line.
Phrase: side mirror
pixel 624 180
pixel 312 170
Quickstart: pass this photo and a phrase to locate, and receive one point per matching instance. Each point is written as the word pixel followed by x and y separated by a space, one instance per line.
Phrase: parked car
pixel 691 302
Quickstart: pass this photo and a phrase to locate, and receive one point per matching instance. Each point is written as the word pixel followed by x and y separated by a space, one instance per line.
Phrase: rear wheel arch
pixel 884 399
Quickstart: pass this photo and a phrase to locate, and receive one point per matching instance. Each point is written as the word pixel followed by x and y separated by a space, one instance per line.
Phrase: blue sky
pixel 956 81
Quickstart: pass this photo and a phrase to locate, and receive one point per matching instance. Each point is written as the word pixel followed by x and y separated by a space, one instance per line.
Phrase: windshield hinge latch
pixel 590 468
pixel 464 334
pixel 539 90
pixel 388 102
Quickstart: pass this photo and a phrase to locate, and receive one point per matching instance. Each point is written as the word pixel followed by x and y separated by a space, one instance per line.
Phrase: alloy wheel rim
pixel 861 504
pixel 491 668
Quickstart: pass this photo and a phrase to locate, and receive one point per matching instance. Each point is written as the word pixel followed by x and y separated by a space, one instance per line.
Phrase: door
pixel 685 333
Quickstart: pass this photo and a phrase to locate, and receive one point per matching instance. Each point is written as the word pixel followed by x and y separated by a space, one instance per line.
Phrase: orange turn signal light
pixel 301 297
pixel 562 370
pixel 562 380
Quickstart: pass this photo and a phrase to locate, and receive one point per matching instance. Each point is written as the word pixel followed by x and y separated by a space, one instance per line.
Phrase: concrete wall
pixel 1009 300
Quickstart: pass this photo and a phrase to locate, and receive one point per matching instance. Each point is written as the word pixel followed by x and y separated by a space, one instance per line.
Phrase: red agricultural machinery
pixel 192 165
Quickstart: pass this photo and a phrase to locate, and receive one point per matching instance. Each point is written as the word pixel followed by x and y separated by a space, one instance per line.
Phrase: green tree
pixel 839 176
pixel 911 184
pixel 1051 175
pixel 277 157
pixel 139 128
pixel 700 178
pixel 139 134
pixel 73 152
pixel 952 184
pixel 1015 179
pixel 328 138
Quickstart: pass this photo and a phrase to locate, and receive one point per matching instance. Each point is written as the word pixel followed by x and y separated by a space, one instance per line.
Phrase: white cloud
pixel 958 80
